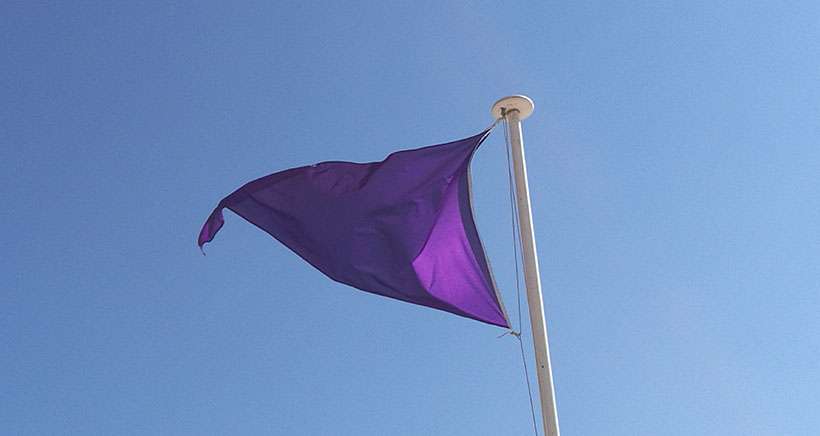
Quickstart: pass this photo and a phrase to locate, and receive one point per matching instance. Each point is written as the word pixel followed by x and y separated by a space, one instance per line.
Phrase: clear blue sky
pixel 674 157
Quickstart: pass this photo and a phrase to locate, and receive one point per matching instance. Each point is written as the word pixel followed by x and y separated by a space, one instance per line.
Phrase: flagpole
pixel 516 108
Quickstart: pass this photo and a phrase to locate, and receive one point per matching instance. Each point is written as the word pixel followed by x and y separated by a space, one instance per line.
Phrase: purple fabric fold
pixel 401 228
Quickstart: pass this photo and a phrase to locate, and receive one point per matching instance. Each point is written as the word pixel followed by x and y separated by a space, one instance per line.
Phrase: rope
pixel 516 246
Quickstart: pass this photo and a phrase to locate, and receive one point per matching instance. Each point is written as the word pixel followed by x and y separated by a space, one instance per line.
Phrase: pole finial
pixel 520 103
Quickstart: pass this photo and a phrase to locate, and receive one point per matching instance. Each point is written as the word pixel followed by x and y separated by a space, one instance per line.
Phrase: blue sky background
pixel 673 160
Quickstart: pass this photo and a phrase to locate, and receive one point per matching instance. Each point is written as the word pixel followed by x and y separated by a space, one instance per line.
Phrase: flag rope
pixel 516 246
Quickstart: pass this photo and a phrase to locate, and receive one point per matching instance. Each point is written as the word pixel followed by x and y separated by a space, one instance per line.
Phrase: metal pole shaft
pixel 532 278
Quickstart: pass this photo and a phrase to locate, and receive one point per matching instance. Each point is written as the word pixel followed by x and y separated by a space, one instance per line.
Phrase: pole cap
pixel 521 103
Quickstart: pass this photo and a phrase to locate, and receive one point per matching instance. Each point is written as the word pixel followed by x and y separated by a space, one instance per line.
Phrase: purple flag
pixel 402 228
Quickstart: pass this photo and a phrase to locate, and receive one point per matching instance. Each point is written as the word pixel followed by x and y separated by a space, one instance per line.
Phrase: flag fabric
pixel 402 228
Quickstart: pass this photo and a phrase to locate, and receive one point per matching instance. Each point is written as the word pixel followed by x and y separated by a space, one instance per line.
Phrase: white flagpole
pixel 516 108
